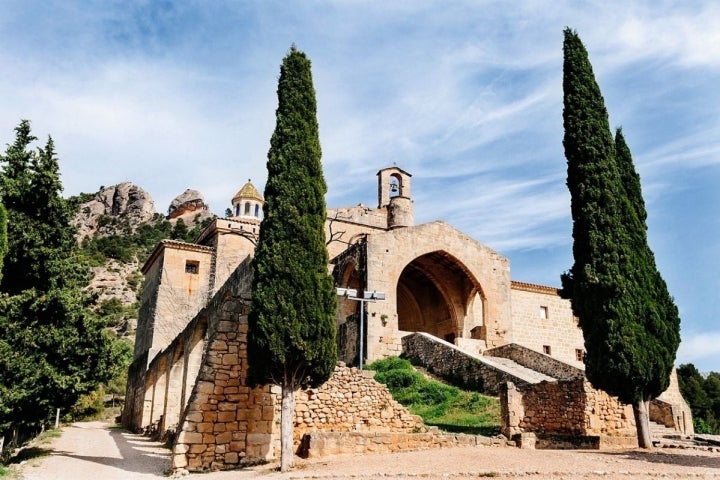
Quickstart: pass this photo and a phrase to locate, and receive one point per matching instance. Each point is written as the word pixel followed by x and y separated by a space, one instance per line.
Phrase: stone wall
pixel 351 401
pixel 535 361
pixel 324 443
pixel 566 408
pixel 542 320
pixel 456 366
pixel 197 388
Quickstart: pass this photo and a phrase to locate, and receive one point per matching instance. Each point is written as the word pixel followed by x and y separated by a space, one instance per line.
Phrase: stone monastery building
pixel 449 302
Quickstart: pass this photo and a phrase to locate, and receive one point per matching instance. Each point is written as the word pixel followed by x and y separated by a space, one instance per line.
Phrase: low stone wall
pixel 351 401
pixel 323 444
pixel 535 361
pixel 565 408
pixel 452 364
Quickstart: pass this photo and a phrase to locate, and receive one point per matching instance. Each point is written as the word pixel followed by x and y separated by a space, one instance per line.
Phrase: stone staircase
pixel 471 370
pixel 515 369
pixel 658 432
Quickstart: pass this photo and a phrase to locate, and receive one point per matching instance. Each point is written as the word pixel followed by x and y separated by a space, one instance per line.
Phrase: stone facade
pixel 544 322
pixel 447 298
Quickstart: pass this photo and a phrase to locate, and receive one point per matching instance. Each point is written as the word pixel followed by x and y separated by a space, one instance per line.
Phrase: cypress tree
pixel 291 334
pixel 629 322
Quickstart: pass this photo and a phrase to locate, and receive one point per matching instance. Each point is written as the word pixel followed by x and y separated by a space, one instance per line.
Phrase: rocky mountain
pixel 119 209
pixel 190 206
pixel 117 227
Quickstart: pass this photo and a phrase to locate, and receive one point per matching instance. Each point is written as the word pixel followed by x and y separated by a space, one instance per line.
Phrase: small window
pixel 237 210
pixel 544 312
pixel 257 210
pixel 579 355
pixel 547 350
pixel 192 266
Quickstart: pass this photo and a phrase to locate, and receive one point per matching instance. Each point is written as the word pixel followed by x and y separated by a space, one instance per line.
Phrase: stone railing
pixel 454 365
pixel 535 361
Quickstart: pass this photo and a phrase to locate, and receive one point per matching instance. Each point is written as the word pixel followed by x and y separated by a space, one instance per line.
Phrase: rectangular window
pixel 192 266
pixel 579 355
pixel 544 313
pixel 546 350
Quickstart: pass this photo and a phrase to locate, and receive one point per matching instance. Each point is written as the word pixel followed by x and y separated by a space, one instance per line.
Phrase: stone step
pixel 659 431
pixel 516 370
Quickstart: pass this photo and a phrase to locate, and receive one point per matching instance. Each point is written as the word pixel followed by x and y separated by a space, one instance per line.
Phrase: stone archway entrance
pixel 437 294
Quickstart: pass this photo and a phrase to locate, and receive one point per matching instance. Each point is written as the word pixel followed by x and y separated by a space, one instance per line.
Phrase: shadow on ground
pixel 665 457
pixel 138 454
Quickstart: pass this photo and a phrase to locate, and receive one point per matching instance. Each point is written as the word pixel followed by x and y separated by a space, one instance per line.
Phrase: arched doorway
pixel 437 294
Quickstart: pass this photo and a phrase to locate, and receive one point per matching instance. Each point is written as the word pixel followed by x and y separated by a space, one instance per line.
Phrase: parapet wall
pixel 454 365
pixel 535 361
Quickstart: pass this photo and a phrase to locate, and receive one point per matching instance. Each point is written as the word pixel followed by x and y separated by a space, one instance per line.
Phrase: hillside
pixel 117 228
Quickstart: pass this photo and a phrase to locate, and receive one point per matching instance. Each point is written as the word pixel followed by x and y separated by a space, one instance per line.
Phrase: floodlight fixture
pixel 367 296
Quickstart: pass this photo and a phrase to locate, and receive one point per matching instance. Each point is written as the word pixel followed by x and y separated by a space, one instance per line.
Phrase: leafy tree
pixel 291 335
pixel 53 348
pixel 3 236
pixel 629 321
pixel 179 231
pixel 703 397
pixel 40 239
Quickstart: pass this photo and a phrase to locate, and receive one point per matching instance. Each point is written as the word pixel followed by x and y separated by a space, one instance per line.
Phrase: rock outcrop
pixel 190 206
pixel 114 210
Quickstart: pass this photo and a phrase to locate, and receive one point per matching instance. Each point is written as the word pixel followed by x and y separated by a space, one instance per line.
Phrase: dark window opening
pixel 192 266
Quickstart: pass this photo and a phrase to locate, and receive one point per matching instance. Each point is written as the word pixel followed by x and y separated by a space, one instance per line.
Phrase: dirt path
pixel 94 451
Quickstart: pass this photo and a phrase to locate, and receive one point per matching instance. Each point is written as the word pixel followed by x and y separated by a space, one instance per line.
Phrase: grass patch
pixel 438 404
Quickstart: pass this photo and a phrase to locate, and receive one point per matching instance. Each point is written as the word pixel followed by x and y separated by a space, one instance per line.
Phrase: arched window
pixel 237 210
pixel 395 185
pixel 257 210
pixel 247 208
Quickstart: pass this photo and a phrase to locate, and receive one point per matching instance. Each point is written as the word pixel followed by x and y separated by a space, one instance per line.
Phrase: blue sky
pixel 465 95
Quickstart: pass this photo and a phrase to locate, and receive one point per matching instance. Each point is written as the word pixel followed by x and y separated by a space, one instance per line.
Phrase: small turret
pixel 248 203
pixel 394 194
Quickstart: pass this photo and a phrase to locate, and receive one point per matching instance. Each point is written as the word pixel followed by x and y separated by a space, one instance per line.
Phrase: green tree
pixel 629 321
pixel 703 397
pixel 179 231
pixel 41 241
pixel 3 237
pixel 53 348
pixel 291 335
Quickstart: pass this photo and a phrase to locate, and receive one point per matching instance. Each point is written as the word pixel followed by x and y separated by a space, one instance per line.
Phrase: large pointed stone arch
pixel 434 269
pixel 436 294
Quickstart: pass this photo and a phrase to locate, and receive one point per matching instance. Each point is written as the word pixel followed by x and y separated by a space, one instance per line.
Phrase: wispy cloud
pixel 700 346
pixel 466 96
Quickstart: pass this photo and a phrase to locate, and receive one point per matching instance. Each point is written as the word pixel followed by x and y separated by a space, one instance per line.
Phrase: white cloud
pixel 702 346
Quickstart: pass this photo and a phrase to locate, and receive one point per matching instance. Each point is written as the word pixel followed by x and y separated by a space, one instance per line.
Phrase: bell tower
pixel 394 194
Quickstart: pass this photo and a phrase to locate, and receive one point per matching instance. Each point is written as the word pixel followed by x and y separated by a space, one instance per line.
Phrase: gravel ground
pixel 95 451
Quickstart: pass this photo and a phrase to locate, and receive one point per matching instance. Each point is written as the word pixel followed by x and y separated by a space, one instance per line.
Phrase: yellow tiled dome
pixel 248 191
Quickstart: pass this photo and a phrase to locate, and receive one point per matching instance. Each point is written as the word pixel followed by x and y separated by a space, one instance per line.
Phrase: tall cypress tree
pixel 291 335
pixel 629 322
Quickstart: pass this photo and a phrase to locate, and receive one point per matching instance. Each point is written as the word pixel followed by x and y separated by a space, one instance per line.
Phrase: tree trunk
pixel 287 419
pixel 641 409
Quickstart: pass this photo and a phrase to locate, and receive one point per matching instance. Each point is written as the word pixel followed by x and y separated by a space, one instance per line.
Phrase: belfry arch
pixel 437 294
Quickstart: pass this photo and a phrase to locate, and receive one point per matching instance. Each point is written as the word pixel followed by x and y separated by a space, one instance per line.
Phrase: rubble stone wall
pixel 565 407
pixel 351 401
